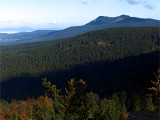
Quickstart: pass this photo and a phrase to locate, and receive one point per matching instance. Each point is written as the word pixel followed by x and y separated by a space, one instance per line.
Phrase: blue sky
pixel 66 13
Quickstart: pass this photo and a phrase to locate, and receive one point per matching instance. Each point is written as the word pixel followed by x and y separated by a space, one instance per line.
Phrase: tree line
pixel 77 104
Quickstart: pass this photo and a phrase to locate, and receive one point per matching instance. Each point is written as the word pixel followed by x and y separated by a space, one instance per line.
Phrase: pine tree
pixel 72 105
pixel 137 105
pixel 92 104
pixel 148 103
pixel 108 110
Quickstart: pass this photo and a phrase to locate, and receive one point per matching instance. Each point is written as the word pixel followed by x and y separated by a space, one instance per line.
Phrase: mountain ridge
pixel 100 22
pixel 126 18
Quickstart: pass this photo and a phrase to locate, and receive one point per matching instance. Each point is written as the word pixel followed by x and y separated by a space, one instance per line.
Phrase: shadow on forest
pixel 132 74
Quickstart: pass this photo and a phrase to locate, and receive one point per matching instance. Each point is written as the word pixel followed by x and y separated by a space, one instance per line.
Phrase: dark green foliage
pixel 136 103
pixel 72 105
pixel 109 110
pixel 123 100
pixel 118 103
pixel 97 46
pixel 148 104
pixel 92 104
pixel 116 57
pixel 76 105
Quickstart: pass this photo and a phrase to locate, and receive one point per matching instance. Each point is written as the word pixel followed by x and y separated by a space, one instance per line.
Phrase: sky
pixel 66 13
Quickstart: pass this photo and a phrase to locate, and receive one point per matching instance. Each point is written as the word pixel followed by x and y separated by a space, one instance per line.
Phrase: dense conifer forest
pixel 113 62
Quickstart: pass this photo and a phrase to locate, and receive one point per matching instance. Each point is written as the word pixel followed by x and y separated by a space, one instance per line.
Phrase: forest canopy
pixel 120 57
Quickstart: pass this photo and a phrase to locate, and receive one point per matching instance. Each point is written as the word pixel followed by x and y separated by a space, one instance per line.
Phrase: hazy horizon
pixel 11 30
pixel 62 14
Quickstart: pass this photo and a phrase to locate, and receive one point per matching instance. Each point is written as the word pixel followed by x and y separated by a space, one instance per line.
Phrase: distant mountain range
pixel 23 29
pixel 99 23
pixel 15 30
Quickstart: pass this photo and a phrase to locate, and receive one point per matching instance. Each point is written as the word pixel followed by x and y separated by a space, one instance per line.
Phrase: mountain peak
pixel 123 20
pixel 121 16
pixel 107 20
pixel 124 16
pixel 100 17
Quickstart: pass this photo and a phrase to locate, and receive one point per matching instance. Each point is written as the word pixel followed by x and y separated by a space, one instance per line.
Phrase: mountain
pixel 107 20
pixel 99 23
pixel 109 60
pixel 18 29
pixel 24 29
pixel 24 37
pixel 123 20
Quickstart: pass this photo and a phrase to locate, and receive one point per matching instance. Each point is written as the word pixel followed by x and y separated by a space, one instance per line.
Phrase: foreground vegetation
pixel 76 104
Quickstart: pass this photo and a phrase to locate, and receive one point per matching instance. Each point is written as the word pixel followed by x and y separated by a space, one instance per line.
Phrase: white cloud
pixel 9 22
pixel 84 2
pixel 53 22
pixel 150 6
pixel 2 21
pixel 145 3
pixel 133 1
pixel 24 21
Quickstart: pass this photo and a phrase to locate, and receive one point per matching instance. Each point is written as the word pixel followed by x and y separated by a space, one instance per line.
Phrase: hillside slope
pixel 124 58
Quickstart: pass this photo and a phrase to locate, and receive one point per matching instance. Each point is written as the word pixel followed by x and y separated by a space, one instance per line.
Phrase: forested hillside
pixel 108 60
